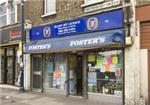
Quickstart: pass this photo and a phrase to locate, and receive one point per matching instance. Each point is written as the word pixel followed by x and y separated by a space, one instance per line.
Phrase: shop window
pixel 105 72
pixel 55 71
pixel 49 7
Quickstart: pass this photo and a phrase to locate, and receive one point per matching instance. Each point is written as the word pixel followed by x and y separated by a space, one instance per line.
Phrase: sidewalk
pixel 14 97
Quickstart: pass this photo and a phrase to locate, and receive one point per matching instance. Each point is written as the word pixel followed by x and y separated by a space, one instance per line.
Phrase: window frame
pixel 9 13
pixel 45 13
pixel 4 14
pixel 90 3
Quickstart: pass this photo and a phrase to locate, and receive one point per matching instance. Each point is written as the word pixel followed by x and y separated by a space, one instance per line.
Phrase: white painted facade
pixel 27 71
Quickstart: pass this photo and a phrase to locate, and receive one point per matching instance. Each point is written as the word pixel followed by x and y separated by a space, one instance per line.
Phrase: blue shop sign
pixel 76 42
pixel 103 21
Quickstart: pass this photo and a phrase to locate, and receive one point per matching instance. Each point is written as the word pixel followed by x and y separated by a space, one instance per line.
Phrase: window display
pixel 105 74
pixel 55 71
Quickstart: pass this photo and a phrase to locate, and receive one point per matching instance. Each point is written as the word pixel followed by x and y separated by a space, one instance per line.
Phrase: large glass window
pixel 54 71
pixel 105 72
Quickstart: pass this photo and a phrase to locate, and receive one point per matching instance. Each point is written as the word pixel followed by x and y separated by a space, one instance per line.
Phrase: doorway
pixel 75 68
pixel 8 65
pixel 37 73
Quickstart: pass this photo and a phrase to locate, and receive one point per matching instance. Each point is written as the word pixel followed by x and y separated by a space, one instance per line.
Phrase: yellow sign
pixel 91 58
pixel 115 59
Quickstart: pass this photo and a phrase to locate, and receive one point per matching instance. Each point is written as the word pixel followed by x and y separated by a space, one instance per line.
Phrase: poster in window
pixel 50 67
pixel 115 59
pixel 57 74
pixel 118 72
pixel 91 58
pixel 57 79
pixel 112 68
pixel 107 67
pixel 99 61
pixel 102 68
pixel 109 60
pixel 92 78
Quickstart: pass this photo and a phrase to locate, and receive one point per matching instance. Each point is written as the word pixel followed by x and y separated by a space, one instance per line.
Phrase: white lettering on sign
pixel 87 41
pixel 107 4
pixel 39 47
pixel 68 27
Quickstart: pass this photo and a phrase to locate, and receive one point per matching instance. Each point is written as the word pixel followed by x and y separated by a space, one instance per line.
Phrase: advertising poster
pixel 115 59
pixel 92 78
pixel 91 58
pixel 109 60
pixel 102 68
pixel 112 68
pixel 56 78
pixel 100 61
pixel 107 68
pixel 50 67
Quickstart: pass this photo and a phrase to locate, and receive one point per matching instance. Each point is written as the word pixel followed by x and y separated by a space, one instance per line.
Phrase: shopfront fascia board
pixel 10 35
pixel 93 23
pixel 78 42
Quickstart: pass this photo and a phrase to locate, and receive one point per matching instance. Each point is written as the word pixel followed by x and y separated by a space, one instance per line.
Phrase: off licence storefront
pixel 80 65
pixel 9 60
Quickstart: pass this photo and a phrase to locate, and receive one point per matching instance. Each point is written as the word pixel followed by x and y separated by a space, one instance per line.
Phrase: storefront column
pixel 5 66
pixel 67 76
pixel 85 75
pixel 14 66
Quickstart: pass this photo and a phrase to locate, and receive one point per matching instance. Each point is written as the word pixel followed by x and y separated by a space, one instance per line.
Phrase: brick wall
pixel 65 9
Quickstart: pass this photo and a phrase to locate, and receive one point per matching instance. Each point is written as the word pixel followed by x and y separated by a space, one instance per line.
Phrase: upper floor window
pixel 3 15
pixel 50 7
pixel 7 14
pixel 88 2
pixel 12 14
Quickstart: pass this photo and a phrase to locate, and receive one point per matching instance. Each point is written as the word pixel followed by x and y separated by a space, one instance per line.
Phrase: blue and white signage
pixel 96 39
pixel 103 21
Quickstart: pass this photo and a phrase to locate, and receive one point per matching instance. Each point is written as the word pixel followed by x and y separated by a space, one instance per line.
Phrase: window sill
pixel 48 14
pixel 88 4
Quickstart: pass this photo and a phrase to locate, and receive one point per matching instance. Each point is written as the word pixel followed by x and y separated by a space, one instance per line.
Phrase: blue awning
pixel 81 41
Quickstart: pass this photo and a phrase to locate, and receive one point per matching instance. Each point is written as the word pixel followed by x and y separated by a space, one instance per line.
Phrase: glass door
pixel 37 72
pixel 10 70
pixel 2 59
pixel 8 63
pixel 75 74
pixel 48 72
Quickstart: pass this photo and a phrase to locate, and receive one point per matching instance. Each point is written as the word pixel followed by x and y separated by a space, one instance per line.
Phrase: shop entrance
pixel 76 74
pixel 8 65
pixel 37 73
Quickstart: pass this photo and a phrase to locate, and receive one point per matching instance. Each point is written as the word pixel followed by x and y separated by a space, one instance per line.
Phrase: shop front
pixel 86 63
pixel 9 60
